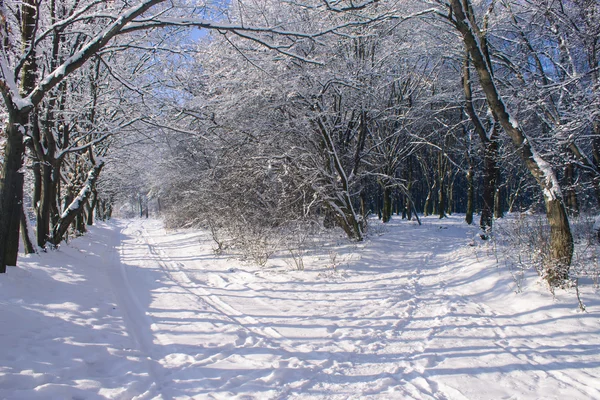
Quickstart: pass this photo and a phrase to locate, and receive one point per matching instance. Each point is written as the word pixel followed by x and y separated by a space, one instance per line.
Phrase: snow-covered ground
pixel 131 311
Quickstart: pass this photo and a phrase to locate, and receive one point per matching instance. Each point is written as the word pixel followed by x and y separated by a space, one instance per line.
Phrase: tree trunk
pixel 27 244
pixel 407 202
pixel 387 204
pixel 498 200
pixel 490 152
pixel 80 220
pixel 91 208
pixel 378 205
pixel 11 189
pixel 77 205
pixel 596 158
pixel 561 239
pixel 489 185
pixel 450 194
pixel 570 193
pixel 441 188
pixel 428 200
pixel 470 194
pixel 47 196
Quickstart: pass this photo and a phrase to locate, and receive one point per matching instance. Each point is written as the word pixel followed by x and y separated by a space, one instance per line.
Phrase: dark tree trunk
pixel 27 244
pixel 489 184
pixel 596 158
pixel 407 203
pixel 11 189
pixel 387 204
pixel 441 188
pixel 450 195
pixel 470 194
pixel 47 196
pixel 92 204
pixel 427 208
pixel 363 203
pixel 80 222
pixel 378 204
pixel 499 199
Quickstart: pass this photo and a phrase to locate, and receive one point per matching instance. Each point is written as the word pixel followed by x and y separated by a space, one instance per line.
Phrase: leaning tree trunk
pixel 76 206
pixel 490 152
pixel 92 204
pixel 561 239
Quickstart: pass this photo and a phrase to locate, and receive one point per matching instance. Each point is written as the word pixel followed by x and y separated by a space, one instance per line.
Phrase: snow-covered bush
pixel 522 240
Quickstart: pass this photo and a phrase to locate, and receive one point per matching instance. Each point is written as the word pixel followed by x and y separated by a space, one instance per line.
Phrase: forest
pixel 263 119
pixel 300 199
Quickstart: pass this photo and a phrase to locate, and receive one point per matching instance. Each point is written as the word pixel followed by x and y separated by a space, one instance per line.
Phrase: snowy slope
pixel 133 312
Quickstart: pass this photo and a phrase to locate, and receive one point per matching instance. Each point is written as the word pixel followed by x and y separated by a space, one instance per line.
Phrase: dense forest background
pixel 265 120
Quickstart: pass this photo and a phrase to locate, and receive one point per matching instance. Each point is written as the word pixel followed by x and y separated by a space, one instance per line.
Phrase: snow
pixel 551 188
pixel 131 311
pixel 7 77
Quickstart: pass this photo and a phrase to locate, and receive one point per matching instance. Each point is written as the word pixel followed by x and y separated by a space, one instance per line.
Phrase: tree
pixel 561 241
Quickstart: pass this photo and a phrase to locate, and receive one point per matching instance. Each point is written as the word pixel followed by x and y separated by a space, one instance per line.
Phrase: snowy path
pixel 415 313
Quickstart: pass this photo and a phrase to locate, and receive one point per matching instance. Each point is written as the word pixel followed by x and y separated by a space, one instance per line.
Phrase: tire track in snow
pixel 268 337
pixel 177 275
pixel 137 322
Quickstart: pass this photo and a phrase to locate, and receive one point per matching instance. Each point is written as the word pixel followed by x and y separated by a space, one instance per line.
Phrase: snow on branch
pixel 74 148
pixel 76 206
pixel 89 50
pixel 335 5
